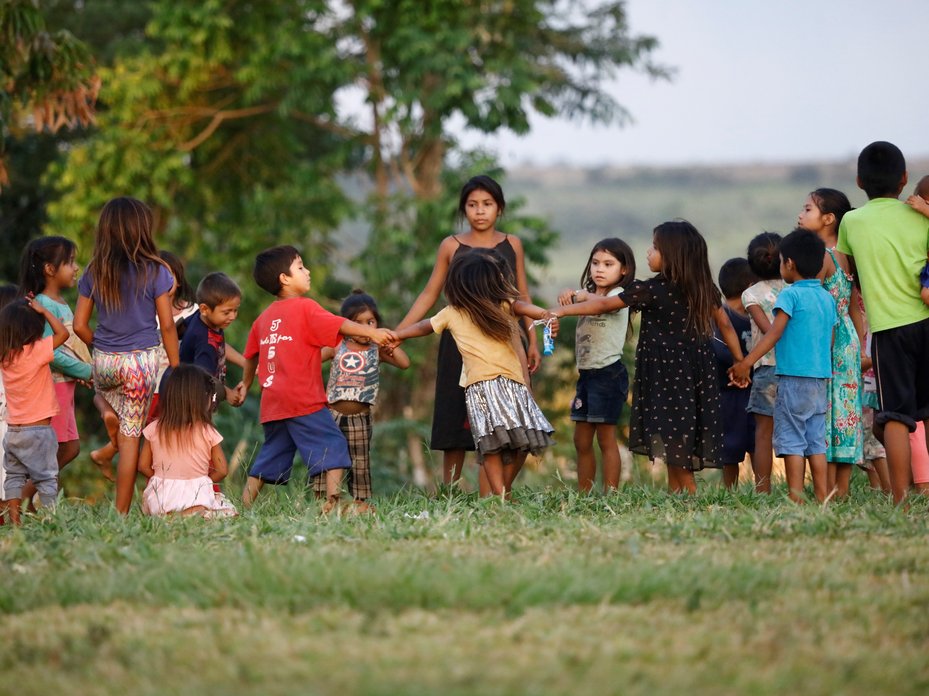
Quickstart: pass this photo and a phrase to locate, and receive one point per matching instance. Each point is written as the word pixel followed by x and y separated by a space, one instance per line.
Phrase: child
pixel 919 202
pixel 804 317
pixel 675 396
pixel 822 213
pixel 47 268
pixel 352 391
pixel 504 418
pixel 181 453
pixel 8 293
pixel 130 286
pixel 735 277
pixel 759 301
pixel 603 381
pixel 886 240
pixel 204 342
pixel 874 456
pixel 284 348
pixel 30 444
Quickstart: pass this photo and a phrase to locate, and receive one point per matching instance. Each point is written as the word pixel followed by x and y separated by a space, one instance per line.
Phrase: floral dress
pixel 843 411
pixel 675 396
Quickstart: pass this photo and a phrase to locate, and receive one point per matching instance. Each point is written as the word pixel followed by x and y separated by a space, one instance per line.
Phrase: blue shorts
pixel 764 391
pixel 600 394
pixel 800 416
pixel 738 426
pixel 318 438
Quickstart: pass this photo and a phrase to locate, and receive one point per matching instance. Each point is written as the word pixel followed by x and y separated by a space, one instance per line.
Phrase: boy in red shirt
pixel 284 347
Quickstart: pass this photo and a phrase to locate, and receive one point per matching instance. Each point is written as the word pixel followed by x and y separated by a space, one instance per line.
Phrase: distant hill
pixel 728 204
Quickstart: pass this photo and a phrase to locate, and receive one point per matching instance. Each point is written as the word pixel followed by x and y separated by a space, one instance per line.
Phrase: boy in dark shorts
pixel 886 241
pixel 735 277
pixel 284 349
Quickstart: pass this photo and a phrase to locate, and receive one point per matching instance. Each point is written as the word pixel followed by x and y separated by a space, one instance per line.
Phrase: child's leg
pixel 512 471
pixel 357 431
pixel 730 475
pixel 795 468
pixel 452 464
pixel 883 473
pixel 686 481
pixel 841 477
pixel 609 455
pixel 897 444
pixel 586 460
pixel 820 475
pixel 252 488
pixel 763 458
pixel 334 484
pixel 493 468
pixel 126 470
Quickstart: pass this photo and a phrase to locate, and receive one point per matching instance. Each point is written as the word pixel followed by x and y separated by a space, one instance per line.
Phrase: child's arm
pixel 738 373
pixel 145 459
pixel 327 353
pixel 81 322
pixel 168 329
pixel 433 288
pixel 59 333
pixel 248 376
pixel 218 466
pixel 730 338
pixel 527 309
pixel 593 305
pixel 397 358
pixel 420 328
pixel 235 357
pixel 570 296
pixel 382 337
pixel 759 317
pixel 919 204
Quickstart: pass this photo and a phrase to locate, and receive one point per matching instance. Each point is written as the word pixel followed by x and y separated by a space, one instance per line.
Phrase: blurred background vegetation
pixel 330 125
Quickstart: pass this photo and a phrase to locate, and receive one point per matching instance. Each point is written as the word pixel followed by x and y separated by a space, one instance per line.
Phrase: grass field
pixel 637 592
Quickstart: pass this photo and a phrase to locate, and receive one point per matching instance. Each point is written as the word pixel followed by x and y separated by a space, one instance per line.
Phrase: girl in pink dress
pixel 181 453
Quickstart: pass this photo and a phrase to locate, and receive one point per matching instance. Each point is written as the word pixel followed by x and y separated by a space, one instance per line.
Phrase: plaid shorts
pixel 357 431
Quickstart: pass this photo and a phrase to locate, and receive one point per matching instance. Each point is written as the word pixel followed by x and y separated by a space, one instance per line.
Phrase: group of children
pixel 773 366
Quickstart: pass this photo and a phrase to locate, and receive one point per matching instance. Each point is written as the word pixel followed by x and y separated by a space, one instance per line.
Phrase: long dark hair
pixel 186 401
pixel 53 251
pixel 482 182
pixel 123 240
pixel 477 284
pixel 358 302
pixel 620 251
pixel 20 325
pixel 831 201
pixel 183 293
pixel 685 263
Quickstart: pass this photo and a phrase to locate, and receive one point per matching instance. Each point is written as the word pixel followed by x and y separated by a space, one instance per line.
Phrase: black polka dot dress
pixel 675 396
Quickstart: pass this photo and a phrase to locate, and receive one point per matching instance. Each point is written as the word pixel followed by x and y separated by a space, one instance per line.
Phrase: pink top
pixel 30 392
pixel 189 460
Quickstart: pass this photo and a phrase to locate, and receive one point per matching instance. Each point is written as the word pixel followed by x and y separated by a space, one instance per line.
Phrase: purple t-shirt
pixel 132 326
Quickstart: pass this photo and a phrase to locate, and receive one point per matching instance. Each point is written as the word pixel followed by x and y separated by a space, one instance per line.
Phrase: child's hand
pixel 385 338
pixel 553 324
pixel 739 374
pixel 240 393
pixel 567 297
pixel 866 363
pixel 919 204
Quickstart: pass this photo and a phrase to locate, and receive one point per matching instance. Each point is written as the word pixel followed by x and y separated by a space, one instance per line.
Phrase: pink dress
pixel 181 480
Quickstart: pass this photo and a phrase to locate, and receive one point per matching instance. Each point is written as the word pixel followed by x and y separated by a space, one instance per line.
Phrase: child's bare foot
pixel 332 505
pixel 103 458
pixel 361 507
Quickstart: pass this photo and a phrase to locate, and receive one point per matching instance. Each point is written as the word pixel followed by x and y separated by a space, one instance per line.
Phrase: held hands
pixel 570 296
pixel 386 338
pixel 739 374
pixel 236 395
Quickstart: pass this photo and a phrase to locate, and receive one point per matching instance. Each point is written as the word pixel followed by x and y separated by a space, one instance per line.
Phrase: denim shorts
pixel 318 439
pixel 800 416
pixel 600 394
pixel 764 391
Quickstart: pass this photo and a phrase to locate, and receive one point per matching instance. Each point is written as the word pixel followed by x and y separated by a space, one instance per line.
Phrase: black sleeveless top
pixel 504 248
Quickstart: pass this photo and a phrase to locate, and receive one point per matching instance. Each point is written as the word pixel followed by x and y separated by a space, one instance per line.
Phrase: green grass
pixel 637 592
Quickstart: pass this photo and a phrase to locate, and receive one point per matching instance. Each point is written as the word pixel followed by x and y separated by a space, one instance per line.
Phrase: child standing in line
pixel 758 301
pixel 30 444
pixel 181 452
pixel 204 341
pixel 481 315
pixel 886 241
pixel 352 391
pixel 47 268
pixel 284 348
pixel 675 396
pixel 735 277
pixel 130 286
pixel 874 456
pixel 804 319
pixel 603 381
pixel 919 202
pixel 822 213
pixel 8 293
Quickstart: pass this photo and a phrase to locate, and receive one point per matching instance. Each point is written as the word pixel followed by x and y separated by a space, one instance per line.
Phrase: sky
pixel 782 81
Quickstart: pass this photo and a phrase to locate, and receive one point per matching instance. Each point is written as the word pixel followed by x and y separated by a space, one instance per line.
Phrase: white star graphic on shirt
pixel 351 362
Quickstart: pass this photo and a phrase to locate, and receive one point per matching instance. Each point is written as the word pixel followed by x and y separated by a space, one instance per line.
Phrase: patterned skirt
pixel 504 416
pixel 126 381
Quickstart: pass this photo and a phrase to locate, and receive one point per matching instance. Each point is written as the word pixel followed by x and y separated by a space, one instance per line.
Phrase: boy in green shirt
pixel 887 242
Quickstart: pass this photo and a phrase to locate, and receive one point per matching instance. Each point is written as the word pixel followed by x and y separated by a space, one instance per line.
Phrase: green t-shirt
pixel 889 241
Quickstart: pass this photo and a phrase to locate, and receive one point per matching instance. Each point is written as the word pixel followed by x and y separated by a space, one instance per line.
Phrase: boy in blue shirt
pixel 804 318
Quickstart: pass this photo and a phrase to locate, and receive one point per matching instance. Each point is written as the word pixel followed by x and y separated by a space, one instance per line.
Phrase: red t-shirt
pixel 287 338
